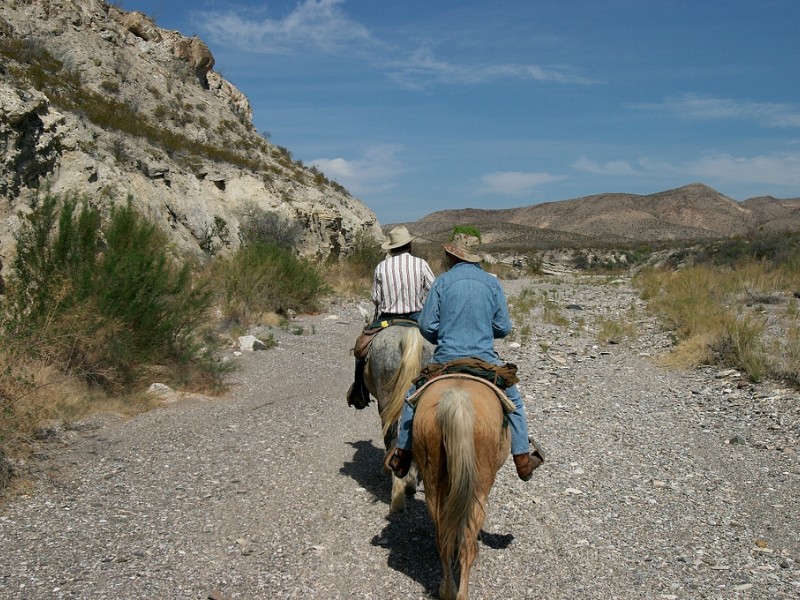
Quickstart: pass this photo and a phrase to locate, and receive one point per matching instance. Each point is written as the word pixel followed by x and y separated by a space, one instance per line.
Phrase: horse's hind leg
pixel 469 545
pixel 448 588
pixel 398 495
pixel 469 550
pixel 410 481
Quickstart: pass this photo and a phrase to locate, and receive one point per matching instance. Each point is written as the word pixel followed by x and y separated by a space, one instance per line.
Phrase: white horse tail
pixel 410 363
pixel 456 417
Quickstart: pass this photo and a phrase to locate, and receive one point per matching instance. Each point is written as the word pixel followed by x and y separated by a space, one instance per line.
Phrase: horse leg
pixel 402 488
pixel 410 481
pixel 448 588
pixel 398 495
pixel 469 546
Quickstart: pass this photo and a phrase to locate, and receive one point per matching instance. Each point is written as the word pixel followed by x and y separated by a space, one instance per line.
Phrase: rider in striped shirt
pixel 399 288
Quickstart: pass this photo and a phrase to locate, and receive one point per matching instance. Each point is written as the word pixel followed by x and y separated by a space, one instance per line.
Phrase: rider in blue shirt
pixel 466 310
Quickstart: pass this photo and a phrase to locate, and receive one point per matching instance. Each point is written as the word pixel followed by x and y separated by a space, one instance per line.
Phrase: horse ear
pixel 364 313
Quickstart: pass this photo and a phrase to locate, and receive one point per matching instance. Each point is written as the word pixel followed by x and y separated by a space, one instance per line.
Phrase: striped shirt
pixel 401 283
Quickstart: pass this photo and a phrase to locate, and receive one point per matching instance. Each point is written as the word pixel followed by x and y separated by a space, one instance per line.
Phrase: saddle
pixel 364 340
pixel 508 405
pixel 503 376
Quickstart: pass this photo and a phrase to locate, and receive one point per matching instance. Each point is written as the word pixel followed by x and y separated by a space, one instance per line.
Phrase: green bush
pixel 262 278
pixel 367 253
pixel 104 302
pixel 262 227
pixel 467 229
pixel 151 296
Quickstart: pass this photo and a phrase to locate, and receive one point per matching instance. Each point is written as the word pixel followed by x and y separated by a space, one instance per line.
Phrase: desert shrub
pixel 55 262
pixel 367 253
pixel 466 229
pixel 741 345
pixel 261 278
pixel 152 296
pixel 110 86
pixel 533 264
pixel 262 227
pixel 719 314
pixel 352 275
pixel 551 313
pixel 103 312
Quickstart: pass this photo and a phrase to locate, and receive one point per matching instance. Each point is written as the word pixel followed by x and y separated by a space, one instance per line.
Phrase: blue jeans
pixel 516 420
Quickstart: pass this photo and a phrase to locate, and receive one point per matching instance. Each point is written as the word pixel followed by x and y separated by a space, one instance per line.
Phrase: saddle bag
pixel 364 340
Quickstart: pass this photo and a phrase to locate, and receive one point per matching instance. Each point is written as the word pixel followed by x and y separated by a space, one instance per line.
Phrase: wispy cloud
pixel 614 167
pixel 373 172
pixel 319 23
pixel 714 169
pixel 514 183
pixel 692 106
pixel 422 67
pixel 771 170
pixel 326 26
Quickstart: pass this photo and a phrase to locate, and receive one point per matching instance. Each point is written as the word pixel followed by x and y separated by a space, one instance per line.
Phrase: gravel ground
pixel 658 484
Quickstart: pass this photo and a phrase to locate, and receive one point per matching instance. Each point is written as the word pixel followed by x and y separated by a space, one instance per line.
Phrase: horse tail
pixel 411 345
pixel 456 418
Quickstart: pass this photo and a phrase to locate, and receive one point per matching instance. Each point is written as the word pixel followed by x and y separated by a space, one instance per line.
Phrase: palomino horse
pixel 395 357
pixel 460 441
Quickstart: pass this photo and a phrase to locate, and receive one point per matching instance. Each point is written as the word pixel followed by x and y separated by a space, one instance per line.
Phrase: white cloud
pixel 714 169
pixel 421 67
pixel 324 24
pixel 614 167
pixel 771 170
pixel 371 173
pixel 514 183
pixel 320 23
pixel 693 106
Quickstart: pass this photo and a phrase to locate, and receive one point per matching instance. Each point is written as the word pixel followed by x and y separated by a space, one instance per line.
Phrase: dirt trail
pixel 659 484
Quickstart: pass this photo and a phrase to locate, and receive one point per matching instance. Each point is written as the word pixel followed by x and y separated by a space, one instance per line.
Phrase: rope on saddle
pixel 508 405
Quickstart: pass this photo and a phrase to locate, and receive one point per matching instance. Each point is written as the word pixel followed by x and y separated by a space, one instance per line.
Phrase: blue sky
pixel 418 106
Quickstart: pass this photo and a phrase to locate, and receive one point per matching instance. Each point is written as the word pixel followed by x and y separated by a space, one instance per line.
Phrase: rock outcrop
pixel 103 103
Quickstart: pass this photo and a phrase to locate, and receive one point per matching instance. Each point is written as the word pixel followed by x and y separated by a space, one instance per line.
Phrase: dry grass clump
pixel 729 315
pixel 36 397
pixel 614 331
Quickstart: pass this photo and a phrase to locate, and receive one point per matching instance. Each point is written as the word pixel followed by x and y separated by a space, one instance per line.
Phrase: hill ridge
pixel 688 213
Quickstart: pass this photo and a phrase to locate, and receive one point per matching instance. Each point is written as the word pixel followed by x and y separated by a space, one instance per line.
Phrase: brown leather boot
pixel 358 396
pixel 527 463
pixel 398 462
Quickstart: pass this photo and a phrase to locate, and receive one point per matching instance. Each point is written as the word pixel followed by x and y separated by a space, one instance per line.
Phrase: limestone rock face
pixel 103 103
pixel 195 52
pixel 141 25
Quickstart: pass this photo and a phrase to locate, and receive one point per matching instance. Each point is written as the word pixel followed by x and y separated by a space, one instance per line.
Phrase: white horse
pixel 394 360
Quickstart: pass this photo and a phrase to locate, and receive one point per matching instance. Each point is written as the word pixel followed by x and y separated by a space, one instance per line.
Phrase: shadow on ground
pixel 409 536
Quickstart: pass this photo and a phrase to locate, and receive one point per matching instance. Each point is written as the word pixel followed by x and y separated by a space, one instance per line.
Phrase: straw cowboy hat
pixel 464 247
pixel 398 237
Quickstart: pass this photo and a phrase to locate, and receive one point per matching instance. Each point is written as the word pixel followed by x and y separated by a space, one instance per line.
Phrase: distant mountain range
pixel 690 213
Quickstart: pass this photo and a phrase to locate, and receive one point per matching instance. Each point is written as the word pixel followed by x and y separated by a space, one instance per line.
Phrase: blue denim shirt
pixel 465 311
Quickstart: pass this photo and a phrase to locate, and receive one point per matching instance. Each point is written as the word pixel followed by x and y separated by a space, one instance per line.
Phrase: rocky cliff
pixel 104 103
